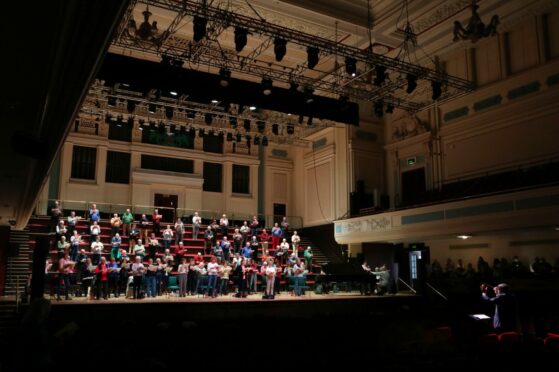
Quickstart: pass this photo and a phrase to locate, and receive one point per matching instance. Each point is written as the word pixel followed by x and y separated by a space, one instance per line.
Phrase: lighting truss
pixel 209 53
pixel 191 114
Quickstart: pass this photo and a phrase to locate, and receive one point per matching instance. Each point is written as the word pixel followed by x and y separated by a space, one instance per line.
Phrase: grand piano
pixel 345 276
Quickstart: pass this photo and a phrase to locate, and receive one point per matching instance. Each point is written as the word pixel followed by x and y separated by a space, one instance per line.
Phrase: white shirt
pixel 212 268
pixel 295 239
pixel 196 220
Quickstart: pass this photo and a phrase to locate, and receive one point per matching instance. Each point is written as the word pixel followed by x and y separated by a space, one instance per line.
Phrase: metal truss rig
pixel 208 53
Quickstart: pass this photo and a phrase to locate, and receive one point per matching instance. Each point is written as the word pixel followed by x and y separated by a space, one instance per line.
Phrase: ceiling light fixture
pixel 312 57
pixel 463 236
pixel 475 29
pixel 280 48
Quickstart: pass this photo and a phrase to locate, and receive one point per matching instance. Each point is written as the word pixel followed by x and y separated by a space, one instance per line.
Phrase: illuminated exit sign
pixel 411 161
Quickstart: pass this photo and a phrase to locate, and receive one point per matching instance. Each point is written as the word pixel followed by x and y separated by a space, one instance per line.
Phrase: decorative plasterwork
pixel 371 224
pixel 440 14
pixel 407 126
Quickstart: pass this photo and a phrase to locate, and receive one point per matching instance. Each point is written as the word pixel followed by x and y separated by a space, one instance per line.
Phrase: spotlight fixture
pixel 280 48
pixel 229 137
pixel 169 112
pixel 178 63
pixel 380 75
pixel 351 66
pixel 152 126
pixel 256 140
pixel 344 102
pixel 225 77
pixel 246 125
pixel 309 121
pixel 389 108
pixel 312 57
pixel 261 125
pixel 161 127
pixel 233 121
pixel 240 38
pixel 264 141
pixel 266 86
pixel 238 137
pixel 412 83
pixel 172 129
pixel 111 101
pixel 248 139
pixel 301 119
pixel 208 118
pixel 437 90
pixel 290 129
pixel 199 28
pixel 463 236
pixel 379 109
pixel 275 129
pixel 201 132
pixel 308 93
pixel 152 108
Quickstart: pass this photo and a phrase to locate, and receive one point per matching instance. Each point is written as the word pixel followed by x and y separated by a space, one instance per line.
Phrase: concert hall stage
pixel 198 308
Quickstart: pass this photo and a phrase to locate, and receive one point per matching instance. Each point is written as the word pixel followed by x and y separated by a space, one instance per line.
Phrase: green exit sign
pixel 411 161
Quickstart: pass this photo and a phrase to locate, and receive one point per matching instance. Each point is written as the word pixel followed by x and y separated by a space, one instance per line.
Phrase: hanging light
pixel 224 77
pixel 380 75
pixel 412 83
pixel 266 86
pixel 475 28
pixel 437 90
pixel 351 66
pixel 240 38
pixel 280 48
pixel 312 57
pixel 199 28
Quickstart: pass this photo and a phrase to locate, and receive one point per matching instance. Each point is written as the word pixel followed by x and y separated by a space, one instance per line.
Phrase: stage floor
pixel 310 296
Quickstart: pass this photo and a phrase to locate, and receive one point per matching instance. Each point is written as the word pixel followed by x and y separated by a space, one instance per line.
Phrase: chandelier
pixel 475 29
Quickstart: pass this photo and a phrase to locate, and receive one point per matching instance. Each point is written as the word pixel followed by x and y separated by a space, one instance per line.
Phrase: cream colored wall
pixel 527 245
pixel 511 133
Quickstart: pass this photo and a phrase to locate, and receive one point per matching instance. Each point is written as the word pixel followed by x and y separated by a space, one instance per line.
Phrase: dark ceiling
pixel 142 76
pixel 51 55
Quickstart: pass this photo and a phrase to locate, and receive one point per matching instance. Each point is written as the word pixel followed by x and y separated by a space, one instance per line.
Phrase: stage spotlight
pixel 275 129
pixel 266 86
pixel 248 139
pixel 225 77
pixel 344 102
pixel 201 132
pixel 152 126
pixel 280 48
pixel 312 57
pixel 256 140
pixel 412 83
pixel 199 28
pixel 309 97
pixel 238 137
pixel 301 119
pixel 161 127
pixel 240 38
pixel 229 137
pixel 178 63
pixel 152 108
pixel 111 101
pixel 309 121
pixel 351 66
pixel 169 112
pixel 264 141
pixel 437 89
pixel 166 60
pixel 131 121
pixel 379 109
pixel 233 121
pixel 389 108
pixel 290 129
pixel 380 75
pixel 208 118
pixel 172 129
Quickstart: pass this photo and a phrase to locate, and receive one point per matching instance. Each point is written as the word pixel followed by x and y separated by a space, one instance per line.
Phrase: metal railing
pixel 171 214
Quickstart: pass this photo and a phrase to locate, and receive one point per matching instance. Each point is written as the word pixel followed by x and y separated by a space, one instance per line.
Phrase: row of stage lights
pixel 153 108
pixel 174 129
pixel 280 50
